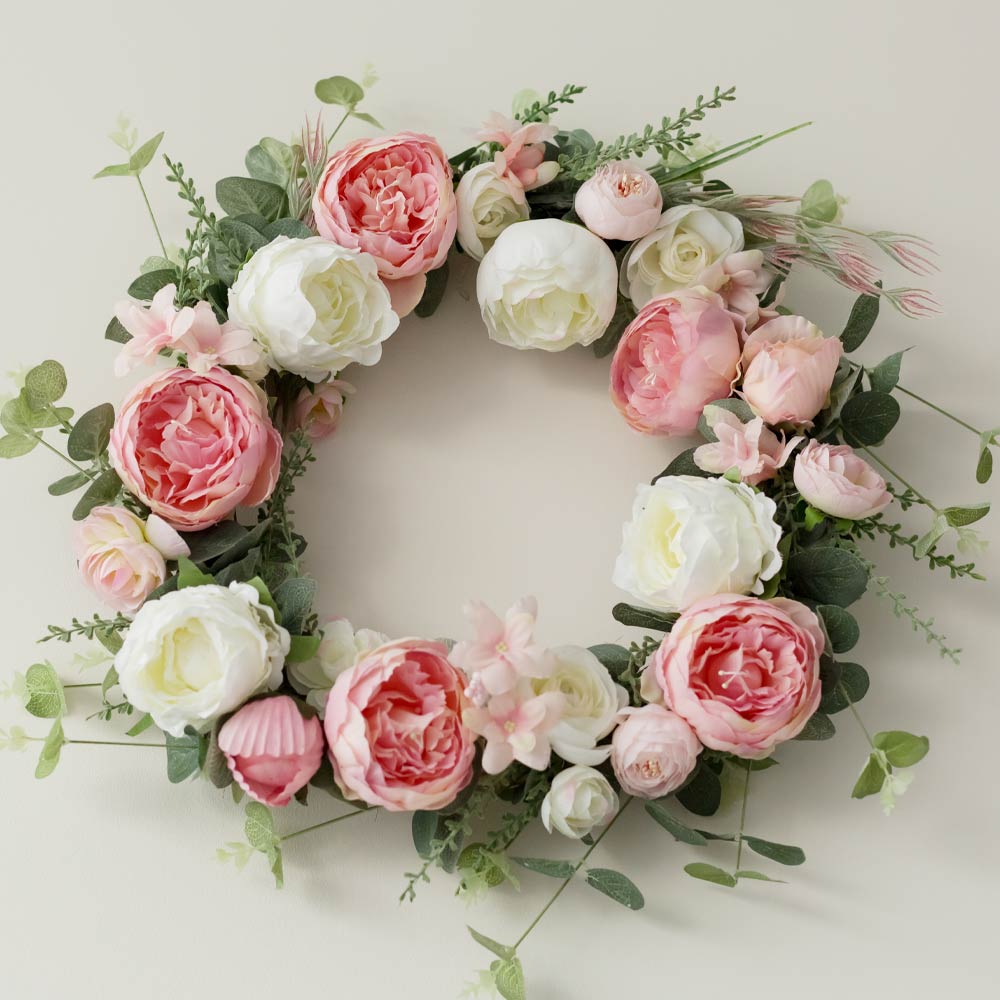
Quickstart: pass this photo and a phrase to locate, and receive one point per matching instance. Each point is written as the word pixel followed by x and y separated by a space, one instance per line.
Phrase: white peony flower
pixel 686 240
pixel 579 800
pixel 547 284
pixel 692 538
pixel 313 306
pixel 592 703
pixel 197 653
pixel 340 649
pixel 488 202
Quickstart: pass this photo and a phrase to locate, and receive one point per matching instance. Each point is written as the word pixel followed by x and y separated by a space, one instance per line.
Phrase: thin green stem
pixel 152 217
pixel 743 816
pixel 328 822
pixel 65 423
pixel 55 451
pixel 856 714
pixel 117 743
pixel 939 409
pixel 590 850
pixel 895 475
pixel 339 126
pixel 96 684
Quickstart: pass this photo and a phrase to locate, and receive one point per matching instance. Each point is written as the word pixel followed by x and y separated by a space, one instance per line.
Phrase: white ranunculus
pixel 579 800
pixel 200 652
pixel 547 284
pixel 686 240
pixel 488 202
pixel 339 650
pixel 313 306
pixel 691 538
pixel 592 703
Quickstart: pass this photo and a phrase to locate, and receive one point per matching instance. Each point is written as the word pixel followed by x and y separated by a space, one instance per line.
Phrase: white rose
pixel 313 306
pixel 198 653
pixel 547 284
pixel 579 800
pixel 686 240
pixel 592 703
pixel 691 538
pixel 339 650
pixel 488 202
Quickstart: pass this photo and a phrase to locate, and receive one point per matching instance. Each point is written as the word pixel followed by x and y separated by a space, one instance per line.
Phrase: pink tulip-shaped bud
pixel 272 749
pixel 839 482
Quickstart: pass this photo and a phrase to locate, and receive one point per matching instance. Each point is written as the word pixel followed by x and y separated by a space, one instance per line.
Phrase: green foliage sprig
pixel 540 110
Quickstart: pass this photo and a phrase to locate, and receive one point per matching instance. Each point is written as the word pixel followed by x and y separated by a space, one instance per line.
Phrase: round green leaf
pixel 828 575
pixel 868 417
pixel 902 749
pixel 340 90
pixel 45 384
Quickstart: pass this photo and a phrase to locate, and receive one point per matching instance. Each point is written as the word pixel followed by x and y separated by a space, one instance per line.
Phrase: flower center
pixel 650 769
pixel 510 727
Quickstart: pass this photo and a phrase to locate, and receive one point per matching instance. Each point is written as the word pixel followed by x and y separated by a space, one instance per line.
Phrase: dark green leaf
pixel 868 417
pixel 850 688
pixel 261 166
pixel 546 866
pixel 68 484
pixel 614 658
pixel 828 575
pixel 616 886
pixel 984 468
pixel 188 575
pixel 437 282
pixel 960 517
pixel 424 827
pixel 239 195
pixel 710 873
pixel 608 341
pixel 340 90
pixel 673 826
pixel 216 541
pixel 841 627
pixel 147 285
pixel 295 600
pixel 819 727
pixel 185 755
pixel 291 228
pixel 89 439
pixel 870 780
pixel 116 332
pixel 684 465
pixel 884 377
pixel 216 765
pixel 702 794
pixel 102 491
pixel 860 322
pixel 783 854
pixel 901 748
pixel 735 406
pixel 643 618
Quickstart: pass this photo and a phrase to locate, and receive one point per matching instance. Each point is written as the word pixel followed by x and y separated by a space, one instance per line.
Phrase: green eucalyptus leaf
pixel 114 170
pixel 684 465
pixel 961 517
pixel 673 826
pixel 546 866
pixel 861 321
pixel 216 766
pixel 89 438
pixel 46 699
pixel 424 827
pixel 783 854
pixel 116 333
pixel 303 648
pixel 240 571
pixel 365 117
pixel 851 687
pixel 340 90
pixel 644 618
pixel 295 599
pixel 259 827
pixel 185 755
pixel 870 780
pixel 291 228
pixel 48 759
pixel 509 978
pixel 102 491
pixel 262 166
pixel 68 484
pixel 500 950
pixel 189 575
pixel 710 873
pixel 702 795
pixel 45 384
pixel 437 283
pixel 819 727
pixel 616 886
pixel 736 406
pixel 141 726
pixel 884 377
pixel 869 417
pixel 902 749
pixel 613 657
pixel 147 285
pixel 745 873
pixel 16 445
pixel 608 341
pixel 143 156
pixel 827 575
pixel 239 195
pixel 984 467
pixel 820 202
pixel 841 627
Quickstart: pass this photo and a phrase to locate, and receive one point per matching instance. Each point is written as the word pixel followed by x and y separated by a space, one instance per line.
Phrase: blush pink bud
pixel 620 202
pixel 837 481
pixel 653 751
pixel 318 409
pixel 272 749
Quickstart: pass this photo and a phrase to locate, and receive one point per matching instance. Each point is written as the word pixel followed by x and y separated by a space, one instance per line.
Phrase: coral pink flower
pixel 271 749
pixel 394 728
pixel 756 452
pixel 741 279
pixel 516 726
pixel 839 482
pixel 392 198
pixel 318 409
pixel 653 751
pixel 195 447
pixel 679 353
pixel 193 331
pixel 742 672
pixel 523 150
pixel 503 651
pixel 788 368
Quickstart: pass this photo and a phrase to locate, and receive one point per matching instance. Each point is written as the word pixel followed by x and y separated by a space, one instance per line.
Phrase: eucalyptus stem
pixel 590 850
pixel 328 822
pixel 743 816
pixel 95 684
pixel 115 743
pixel 940 409
pixel 856 713
pixel 55 451
pixel 339 126
pixel 895 475
pixel 152 217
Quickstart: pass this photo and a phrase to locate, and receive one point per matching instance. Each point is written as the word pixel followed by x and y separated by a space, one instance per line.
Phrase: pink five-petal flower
pixel 523 153
pixel 751 448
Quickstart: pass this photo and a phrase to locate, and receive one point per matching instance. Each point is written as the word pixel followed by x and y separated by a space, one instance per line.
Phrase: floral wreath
pixel 743 555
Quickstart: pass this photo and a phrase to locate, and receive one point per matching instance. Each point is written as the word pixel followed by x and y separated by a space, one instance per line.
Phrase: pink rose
pixel 195 447
pixel 750 448
pixel 741 279
pixel 523 154
pixel 788 368
pixel 272 749
pixel 679 353
pixel 742 672
pixel 392 198
pixel 653 751
pixel 394 728
pixel 318 409
pixel 123 559
pixel 620 202
pixel 837 481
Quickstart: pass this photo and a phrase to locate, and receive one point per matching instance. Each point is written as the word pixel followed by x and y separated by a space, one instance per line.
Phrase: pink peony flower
pixel 523 153
pixel 272 749
pixel 837 481
pixel 392 198
pixel 394 728
pixel 503 651
pixel 620 202
pixel 123 559
pixel 679 353
pixel 788 368
pixel 653 751
pixel 756 452
pixel 318 410
pixel 742 672
pixel 741 279
pixel 193 331
pixel 195 447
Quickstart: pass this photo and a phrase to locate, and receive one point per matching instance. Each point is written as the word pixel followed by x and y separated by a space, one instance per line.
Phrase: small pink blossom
pixel 318 409
pixel 741 279
pixel 523 150
pixel 193 331
pixel 839 482
pixel 751 448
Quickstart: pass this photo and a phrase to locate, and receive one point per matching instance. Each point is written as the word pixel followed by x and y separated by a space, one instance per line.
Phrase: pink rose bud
pixel 620 202
pixel 742 672
pixel 679 353
pixel 750 448
pixel 837 481
pixel 318 410
pixel 788 368
pixel 194 447
pixel 653 752
pixel 122 559
pixel 272 749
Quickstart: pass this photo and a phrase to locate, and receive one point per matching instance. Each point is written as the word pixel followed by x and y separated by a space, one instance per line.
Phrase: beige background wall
pixel 466 469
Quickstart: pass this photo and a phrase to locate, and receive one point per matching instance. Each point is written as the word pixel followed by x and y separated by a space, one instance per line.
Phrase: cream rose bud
pixel 592 701
pixel 687 240
pixel 691 538
pixel 313 306
pixel 488 202
pixel 653 751
pixel 197 653
pixel 620 202
pixel 547 284
pixel 340 648
pixel 579 800
pixel 839 482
